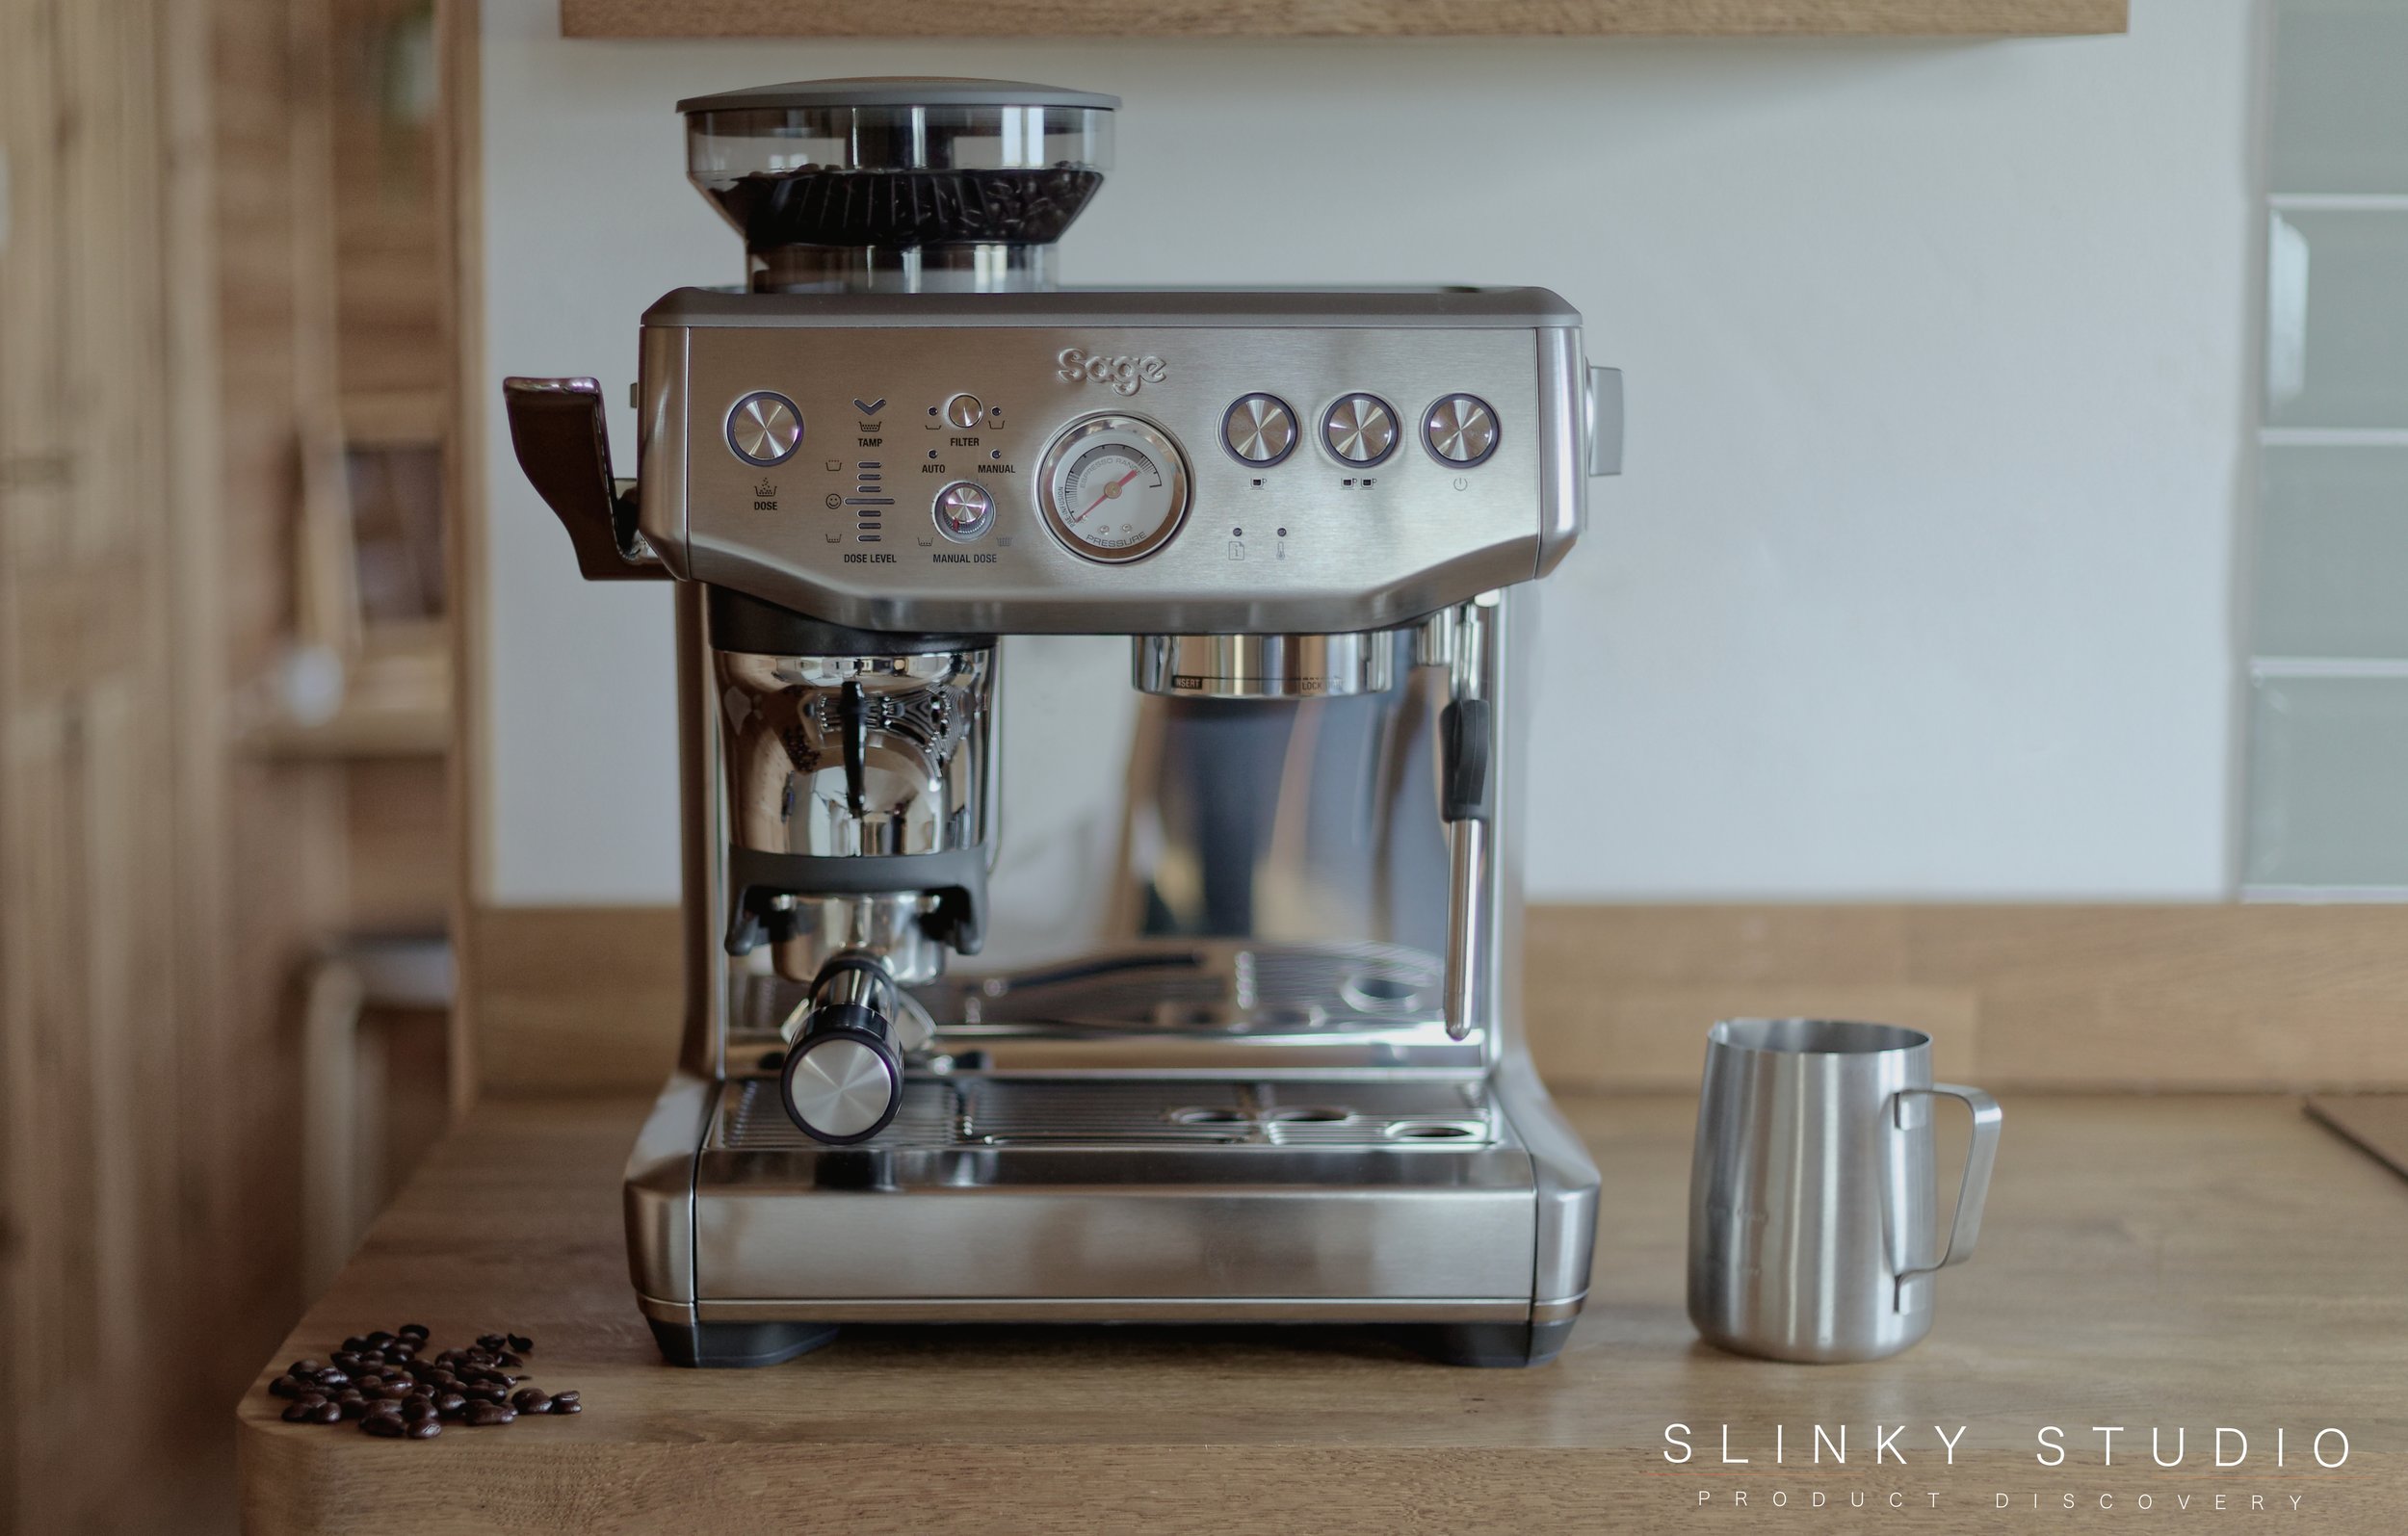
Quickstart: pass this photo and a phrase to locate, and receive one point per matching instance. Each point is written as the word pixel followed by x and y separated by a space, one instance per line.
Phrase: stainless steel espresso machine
pixel 1219 1022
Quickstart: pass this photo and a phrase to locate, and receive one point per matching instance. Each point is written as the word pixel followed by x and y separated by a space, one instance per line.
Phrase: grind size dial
pixel 1113 487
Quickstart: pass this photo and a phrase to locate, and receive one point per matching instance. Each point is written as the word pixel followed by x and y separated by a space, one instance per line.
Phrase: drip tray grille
pixel 1009 1111
pixel 752 1120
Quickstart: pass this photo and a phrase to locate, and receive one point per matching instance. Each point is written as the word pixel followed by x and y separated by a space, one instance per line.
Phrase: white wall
pixel 1919 582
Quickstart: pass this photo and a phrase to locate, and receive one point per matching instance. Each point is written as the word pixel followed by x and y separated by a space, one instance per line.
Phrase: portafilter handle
pixel 564 445
pixel 842 1078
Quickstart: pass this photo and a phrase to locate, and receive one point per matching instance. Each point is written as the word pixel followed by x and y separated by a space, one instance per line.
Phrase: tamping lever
pixel 564 445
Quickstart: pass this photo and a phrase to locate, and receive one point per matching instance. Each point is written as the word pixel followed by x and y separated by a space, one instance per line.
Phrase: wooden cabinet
pixel 202 299
pixel 1338 19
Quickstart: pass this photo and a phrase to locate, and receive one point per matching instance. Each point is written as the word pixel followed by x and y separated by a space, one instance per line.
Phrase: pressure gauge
pixel 1113 487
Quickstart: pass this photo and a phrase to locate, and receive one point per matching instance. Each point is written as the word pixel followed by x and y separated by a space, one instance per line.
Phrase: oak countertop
pixel 2178 1262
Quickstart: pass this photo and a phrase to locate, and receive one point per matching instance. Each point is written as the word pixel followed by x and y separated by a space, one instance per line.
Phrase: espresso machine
pixel 1218 1023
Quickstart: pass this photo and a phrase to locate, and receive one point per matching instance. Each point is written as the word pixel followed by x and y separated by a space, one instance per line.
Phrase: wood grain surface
pixel 154 884
pixel 96 856
pixel 2166 1263
pixel 1328 19
pixel 575 998
pixel 166 330
pixel 460 203
pixel 2376 1122
pixel 2056 996
pixel 2081 997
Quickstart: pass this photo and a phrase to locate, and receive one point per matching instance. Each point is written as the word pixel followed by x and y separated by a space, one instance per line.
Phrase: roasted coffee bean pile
pixel 821 207
pixel 378 1381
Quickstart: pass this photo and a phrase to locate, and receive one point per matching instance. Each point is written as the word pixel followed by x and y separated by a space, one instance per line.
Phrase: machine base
pixel 713 1345
pixel 1484 1345
pixel 1437 1215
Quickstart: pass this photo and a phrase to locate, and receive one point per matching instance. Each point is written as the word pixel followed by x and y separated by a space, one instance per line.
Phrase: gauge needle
pixel 1110 491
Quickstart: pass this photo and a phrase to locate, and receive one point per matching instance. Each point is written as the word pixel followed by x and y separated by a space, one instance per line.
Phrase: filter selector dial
pixel 965 511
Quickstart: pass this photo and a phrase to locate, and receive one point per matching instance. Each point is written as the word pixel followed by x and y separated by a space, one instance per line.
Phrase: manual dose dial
pixel 1113 487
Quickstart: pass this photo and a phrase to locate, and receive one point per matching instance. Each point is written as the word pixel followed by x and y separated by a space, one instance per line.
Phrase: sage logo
pixel 1126 375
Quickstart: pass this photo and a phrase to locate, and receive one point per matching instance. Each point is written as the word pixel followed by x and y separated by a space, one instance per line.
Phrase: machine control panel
pixel 1113 463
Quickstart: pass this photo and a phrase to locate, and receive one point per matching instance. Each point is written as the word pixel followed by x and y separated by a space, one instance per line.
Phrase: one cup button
pixel 1259 429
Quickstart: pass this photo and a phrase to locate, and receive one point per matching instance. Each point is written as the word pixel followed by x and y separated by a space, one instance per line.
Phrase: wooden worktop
pixel 2192 1263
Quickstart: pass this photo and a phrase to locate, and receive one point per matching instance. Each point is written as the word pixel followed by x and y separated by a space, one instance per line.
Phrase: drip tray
pixel 1060 1112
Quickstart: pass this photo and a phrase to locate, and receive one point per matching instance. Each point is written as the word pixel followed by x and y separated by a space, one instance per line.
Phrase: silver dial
pixel 1113 487
pixel 1461 430
pixel 1259 429
pixel 964 410
pixel 765 429
pixel 1361 430
pixel 964 511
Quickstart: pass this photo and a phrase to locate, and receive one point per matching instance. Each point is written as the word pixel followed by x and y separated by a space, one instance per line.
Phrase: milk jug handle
pixel 1979 1159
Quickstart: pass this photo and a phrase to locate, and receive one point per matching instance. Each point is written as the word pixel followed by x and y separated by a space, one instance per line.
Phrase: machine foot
pixel 1487 1345
pixel 737 1344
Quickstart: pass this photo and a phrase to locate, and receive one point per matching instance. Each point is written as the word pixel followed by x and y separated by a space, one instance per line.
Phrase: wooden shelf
pixel 397 703
pixel 394 418
pixel 1340 18
pixel 365 732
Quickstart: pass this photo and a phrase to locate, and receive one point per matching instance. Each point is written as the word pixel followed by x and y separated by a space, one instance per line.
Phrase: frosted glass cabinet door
pixel 2328 794
pixel 2340 116
pixel 2332 565
pixel 2336 319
